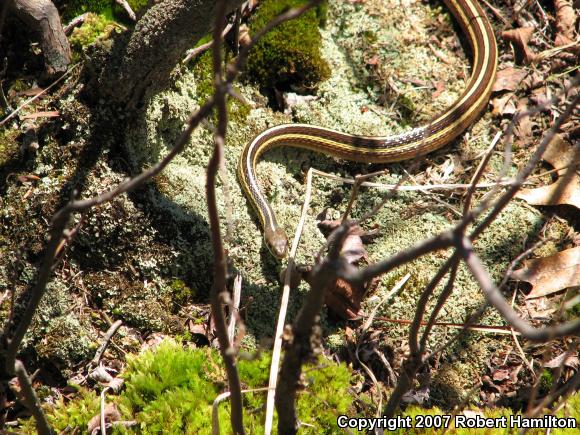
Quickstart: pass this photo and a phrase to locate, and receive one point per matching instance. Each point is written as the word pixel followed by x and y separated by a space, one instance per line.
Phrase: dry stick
pixel 414 362
pixel 358 180
pixel 204 47
pixel 31 399
pixel 479 172
pixel 277 348
pixel 450 264
pixel 103 426
pixel 441 300
pixel 300 347
pixel 106 340
pixel 468 326
pixel 502 202
pixel 237 291
pixel 77 21
pixel 424 187
pixel 365 326
pixel 219 259
pixel 127 8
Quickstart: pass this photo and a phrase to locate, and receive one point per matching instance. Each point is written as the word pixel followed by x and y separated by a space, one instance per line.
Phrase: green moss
pixel 289 56
pixel 66 414
pixel 203 73
pixel 95 27
pixel 74 8
pixel 181 292
pixel 171 390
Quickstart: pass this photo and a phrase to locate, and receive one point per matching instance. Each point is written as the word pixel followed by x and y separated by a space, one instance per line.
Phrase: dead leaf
pixel 540 308
pixel 439 88
pixel 520 38
pixel 561 360
pixel 503 105
pixel 551 274
pixel 565 21
pixel 416 397
pixel 524 127
pixel 509 79
pixel 501 375
pixel 566 190
pixel 344 299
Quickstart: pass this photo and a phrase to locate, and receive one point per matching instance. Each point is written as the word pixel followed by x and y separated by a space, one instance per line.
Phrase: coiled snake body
pixel 419 141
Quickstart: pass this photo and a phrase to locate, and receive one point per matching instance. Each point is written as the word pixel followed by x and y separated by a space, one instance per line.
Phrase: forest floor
pixel 145 258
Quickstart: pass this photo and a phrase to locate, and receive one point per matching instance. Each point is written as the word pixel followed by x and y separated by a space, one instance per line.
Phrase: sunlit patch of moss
pixel 289 56
pixel 203 73
pixel 67 414
pixel 94 27
pixel 182 294
pixel 171 389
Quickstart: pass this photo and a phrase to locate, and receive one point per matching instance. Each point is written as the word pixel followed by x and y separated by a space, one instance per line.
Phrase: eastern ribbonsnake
pixel 416 142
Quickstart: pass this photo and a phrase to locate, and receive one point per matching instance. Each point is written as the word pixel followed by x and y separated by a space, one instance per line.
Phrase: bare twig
pixel 219 259
pixel 106 340
pixel 31 400
pixel 204 47
pixel 237 293
pixel 127 8
pixel 103 407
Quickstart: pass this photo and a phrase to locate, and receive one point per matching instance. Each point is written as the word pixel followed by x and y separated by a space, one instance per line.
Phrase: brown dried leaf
pixel 540 308
pixel 550 274
pixel 520 38
pixel 439 88
pixel 501 375
pixel 509 79
pixel 344 300
pixel 561 360
pixel 565 19
pixel 566 190
pixel 503 105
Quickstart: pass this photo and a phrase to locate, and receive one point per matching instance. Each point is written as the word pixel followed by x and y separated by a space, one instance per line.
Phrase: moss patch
pixel 171 390
pixel 289 56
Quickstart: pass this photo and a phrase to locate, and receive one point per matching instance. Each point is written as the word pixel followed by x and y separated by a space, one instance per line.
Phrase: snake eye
pixel 277 242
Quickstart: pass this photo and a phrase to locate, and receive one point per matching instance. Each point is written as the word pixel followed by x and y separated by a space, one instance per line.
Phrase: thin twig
pixel 31 400
pixel 106 340
pixel 237 293
pixel 277 348
pixel 102 401
pixel 219 259
pixel 204 47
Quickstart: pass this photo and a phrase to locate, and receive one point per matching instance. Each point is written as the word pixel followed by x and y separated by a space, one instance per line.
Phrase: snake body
pixel 416 142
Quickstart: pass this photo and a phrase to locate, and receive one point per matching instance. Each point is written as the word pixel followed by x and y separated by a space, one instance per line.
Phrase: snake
pixel 438 132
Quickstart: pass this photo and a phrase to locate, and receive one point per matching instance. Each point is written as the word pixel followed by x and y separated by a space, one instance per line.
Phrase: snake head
pixel 277 242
